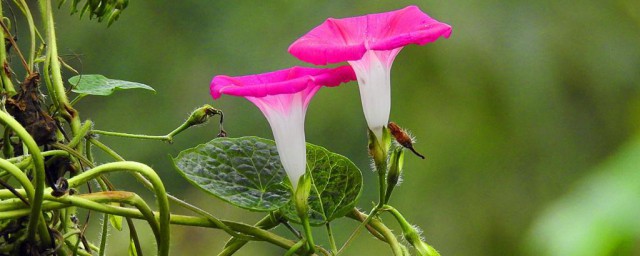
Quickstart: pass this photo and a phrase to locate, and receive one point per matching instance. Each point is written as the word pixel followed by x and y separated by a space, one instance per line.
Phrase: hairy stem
pixel 52 64
pixel 411 234
pixel 383 230
pixel 32 32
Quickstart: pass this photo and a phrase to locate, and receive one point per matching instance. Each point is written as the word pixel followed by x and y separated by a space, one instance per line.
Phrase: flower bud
pixel 395 171
pixel 202 114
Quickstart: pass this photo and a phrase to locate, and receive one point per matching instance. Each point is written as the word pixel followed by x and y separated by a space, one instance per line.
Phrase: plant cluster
pixel 48 176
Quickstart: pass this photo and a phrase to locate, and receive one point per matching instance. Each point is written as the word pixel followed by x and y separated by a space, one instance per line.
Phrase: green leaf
pixel 245 172
pixel 132 248
pixel 115 220
pixel 100 85
pixel 336 186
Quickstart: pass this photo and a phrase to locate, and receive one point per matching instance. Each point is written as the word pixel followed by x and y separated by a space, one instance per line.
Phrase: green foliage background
pixel 513 111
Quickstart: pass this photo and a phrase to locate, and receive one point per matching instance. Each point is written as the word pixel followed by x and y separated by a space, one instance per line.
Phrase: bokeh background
pixel 528 115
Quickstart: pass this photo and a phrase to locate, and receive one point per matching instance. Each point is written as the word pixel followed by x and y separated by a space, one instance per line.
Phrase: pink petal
pixel 346 39
pixel 286 81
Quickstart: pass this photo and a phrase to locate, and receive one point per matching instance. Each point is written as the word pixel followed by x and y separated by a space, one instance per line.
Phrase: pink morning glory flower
pixel 369 43
pixel 283 97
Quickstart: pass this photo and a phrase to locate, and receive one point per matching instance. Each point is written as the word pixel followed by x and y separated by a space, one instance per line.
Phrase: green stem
pixel 356 232
pixel 94 202
pixel 294 249
pixel 56 74
pixel 172 198
pixel 7 148
pixel 254 232
pixel 5 77
pixel 106 149
pixel 82 132
pixel 334 248
pixel 234 244
pixel 383 230
pixel 104 234
pixel 411 234
pixel 133 235
pixel 379 149
pixel 38 179
pixel 32 32
pixel 133 136
pixel 20 177
pixel 152 177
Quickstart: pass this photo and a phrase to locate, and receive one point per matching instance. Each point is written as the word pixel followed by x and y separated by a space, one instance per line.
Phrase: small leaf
pixel 336 186
pixel 245 172
pixel 132 248
pixel 100 85
pixel 115 220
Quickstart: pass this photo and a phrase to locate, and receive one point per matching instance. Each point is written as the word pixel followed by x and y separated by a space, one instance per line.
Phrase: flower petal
pixel 346 39
pixel 283 97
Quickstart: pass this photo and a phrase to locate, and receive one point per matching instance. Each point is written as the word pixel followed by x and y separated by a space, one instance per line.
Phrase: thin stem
pixel 133 136
pixel 105 233
pixel 391 239
pixel 82 132
pixel 133 234
pixel 356 232
pixel 334 248
pixel 7 186
pixel 199 116
pixel 5 77
pixel 361 217
pixel 13 42
pixel 32 32
pixel 76 99
pixel 411 234
pixel 294 249
pixel 7 148
pixel 234 244
pixel 20 177
pixel 39 179
pixel 308 234
pixel 107 150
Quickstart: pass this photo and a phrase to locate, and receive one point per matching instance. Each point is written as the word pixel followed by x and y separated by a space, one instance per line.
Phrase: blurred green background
pixel 527 115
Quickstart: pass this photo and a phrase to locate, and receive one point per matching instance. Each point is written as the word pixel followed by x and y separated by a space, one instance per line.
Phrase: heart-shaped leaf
pixel 336 186
pixel 245 172
pixel 100 85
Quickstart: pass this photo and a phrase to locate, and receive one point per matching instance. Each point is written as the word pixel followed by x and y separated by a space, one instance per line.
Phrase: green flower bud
pixel 202 114
pixel 395 171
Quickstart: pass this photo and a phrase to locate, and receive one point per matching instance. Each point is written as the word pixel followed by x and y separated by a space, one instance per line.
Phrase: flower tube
pixel 283 97
pixel 369 43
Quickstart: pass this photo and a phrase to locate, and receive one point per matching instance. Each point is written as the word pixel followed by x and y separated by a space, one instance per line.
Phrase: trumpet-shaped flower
pixel 283 97
pixel 369 43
